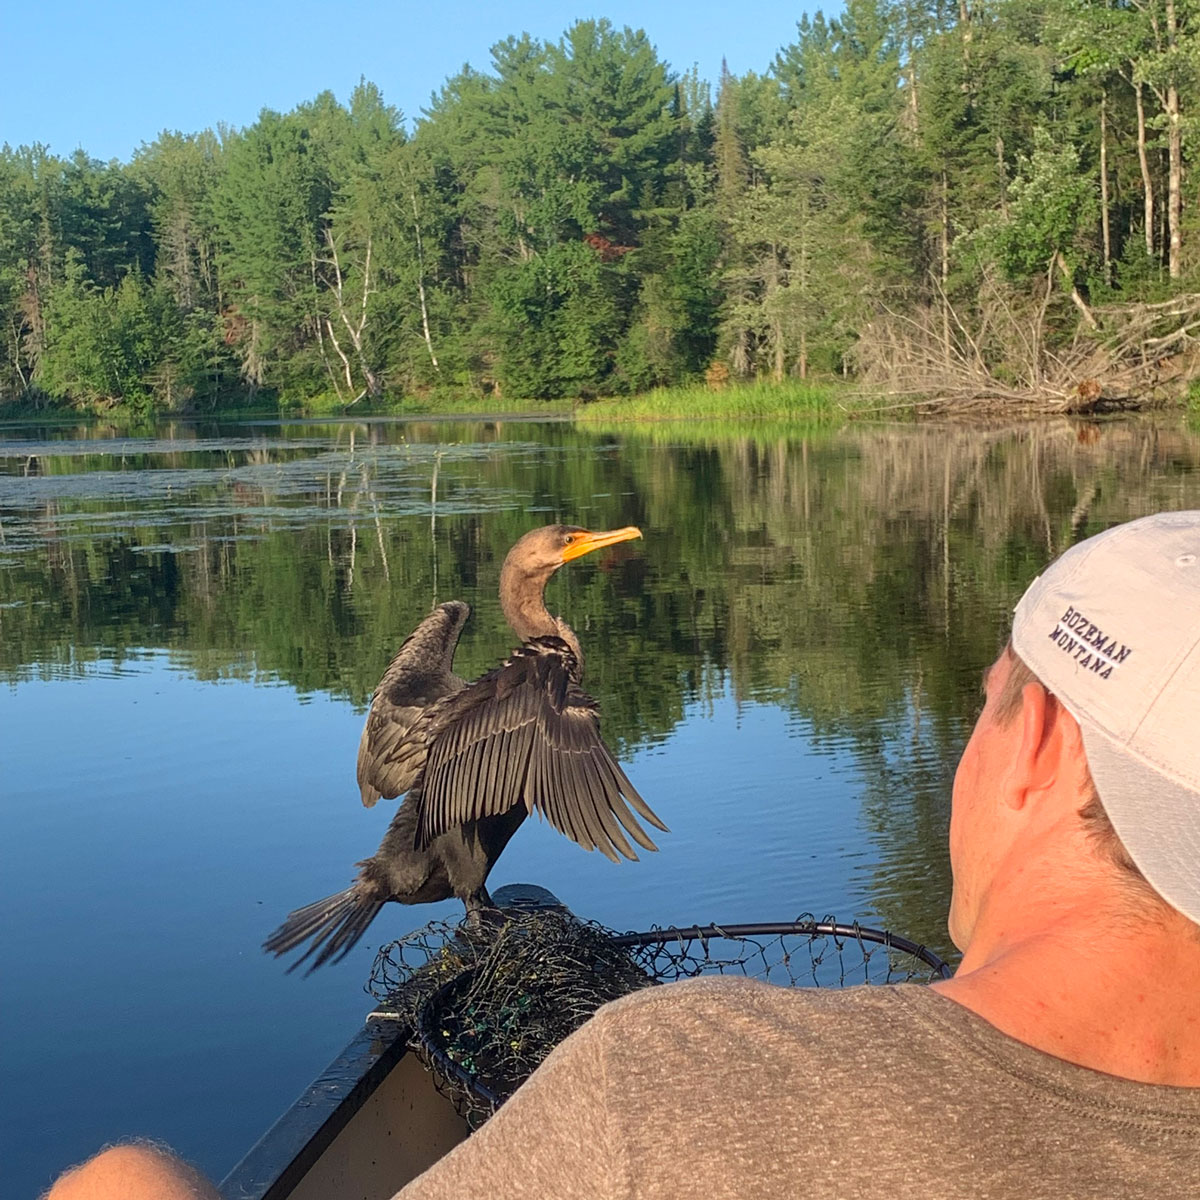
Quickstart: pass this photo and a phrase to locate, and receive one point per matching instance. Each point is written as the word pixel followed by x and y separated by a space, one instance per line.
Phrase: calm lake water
pixel 191 625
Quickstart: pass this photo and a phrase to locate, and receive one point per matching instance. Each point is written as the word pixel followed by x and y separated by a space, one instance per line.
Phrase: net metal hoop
pixel 834 929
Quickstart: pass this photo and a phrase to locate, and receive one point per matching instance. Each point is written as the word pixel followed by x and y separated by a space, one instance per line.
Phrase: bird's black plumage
pixel 474 759
pixel 525 734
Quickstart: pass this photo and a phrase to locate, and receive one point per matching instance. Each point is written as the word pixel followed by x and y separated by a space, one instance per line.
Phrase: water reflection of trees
pixel 861 578
pixel 873 579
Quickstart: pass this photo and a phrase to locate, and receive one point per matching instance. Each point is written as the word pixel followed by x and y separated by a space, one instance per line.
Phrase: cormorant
pixel 475 759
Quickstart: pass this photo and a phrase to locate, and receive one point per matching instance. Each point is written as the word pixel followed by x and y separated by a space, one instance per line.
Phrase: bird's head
pixel 532 561
pixel 542 551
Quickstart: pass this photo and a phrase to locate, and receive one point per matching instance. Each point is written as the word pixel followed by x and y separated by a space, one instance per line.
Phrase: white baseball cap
pixel 1112 628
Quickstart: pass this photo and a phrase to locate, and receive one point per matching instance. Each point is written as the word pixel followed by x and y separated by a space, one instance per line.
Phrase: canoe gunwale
pixel 285 1153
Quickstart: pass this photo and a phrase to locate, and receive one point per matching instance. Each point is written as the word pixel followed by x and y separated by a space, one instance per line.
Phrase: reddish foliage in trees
pixel 235 326
pixel 717 377
pixel 608 251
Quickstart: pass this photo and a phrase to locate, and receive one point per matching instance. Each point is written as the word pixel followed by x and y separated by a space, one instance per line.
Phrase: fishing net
pixel 486 1004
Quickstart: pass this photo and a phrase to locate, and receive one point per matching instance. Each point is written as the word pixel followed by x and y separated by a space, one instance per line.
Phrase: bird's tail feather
pixel 334 924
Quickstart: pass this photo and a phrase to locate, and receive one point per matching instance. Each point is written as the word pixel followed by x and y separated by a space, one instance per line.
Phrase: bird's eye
pixel 570 537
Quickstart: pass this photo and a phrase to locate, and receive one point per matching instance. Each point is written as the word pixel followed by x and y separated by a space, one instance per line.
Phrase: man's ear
pixel 1037 762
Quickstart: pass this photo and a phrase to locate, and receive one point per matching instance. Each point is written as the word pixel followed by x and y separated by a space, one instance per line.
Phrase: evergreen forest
pixel 974 199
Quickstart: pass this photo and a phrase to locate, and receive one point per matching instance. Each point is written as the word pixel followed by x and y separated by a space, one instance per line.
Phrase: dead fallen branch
pixel 1049 353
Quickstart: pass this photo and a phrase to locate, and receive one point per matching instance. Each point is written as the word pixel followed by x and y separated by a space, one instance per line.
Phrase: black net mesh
pixel 486 1004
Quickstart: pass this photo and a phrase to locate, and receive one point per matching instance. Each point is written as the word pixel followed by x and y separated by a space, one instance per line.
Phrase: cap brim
pixel 1155 818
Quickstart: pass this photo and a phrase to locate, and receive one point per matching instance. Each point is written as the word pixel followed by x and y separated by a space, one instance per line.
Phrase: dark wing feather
pixel 525 734
pixel 393 746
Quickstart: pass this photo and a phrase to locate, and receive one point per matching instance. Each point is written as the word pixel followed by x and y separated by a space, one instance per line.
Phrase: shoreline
pixel 791 402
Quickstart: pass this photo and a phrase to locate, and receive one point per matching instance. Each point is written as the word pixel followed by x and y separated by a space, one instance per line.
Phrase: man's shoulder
pixel 761 1016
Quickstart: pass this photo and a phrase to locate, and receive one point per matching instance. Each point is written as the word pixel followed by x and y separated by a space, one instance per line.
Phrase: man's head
pixel 1094 707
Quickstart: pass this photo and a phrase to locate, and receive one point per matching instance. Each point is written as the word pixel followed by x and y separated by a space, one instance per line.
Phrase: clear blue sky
pixel 108 76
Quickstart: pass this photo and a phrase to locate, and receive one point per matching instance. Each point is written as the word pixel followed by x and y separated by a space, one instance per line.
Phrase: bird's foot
pixel 482 913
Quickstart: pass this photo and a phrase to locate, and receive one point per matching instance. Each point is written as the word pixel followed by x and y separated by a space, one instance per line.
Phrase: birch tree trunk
pixel 1144 163
pixel 945 215
pixel 1002 171
pixel 412 195
pixel 1174 153
pixel 319 324
pixel 1174 183
pixel 356 328
pixel 341 354
pixel 801 281
pixel 1105 228
pixel 773 289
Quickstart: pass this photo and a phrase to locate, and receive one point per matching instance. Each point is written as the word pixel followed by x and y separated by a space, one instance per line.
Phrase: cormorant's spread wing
pixel 392 750
pixel 525 734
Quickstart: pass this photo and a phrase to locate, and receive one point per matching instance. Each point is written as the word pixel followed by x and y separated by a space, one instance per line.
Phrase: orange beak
pixel 585 543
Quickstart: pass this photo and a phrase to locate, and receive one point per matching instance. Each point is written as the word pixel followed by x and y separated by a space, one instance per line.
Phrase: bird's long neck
pixel 523 602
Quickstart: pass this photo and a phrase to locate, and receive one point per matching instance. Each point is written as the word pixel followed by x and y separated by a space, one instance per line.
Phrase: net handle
pixel 862 933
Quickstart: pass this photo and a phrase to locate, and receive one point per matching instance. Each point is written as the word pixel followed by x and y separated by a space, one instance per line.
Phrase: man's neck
pixel 1100 992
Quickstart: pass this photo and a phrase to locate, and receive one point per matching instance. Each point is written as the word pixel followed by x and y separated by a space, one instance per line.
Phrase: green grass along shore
pixel 784 402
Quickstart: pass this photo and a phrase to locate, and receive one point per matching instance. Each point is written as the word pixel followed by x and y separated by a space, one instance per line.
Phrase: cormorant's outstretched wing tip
pixel 393 746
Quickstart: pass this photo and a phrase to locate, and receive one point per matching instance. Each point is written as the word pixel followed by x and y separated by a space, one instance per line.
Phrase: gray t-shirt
pixel 733 1088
